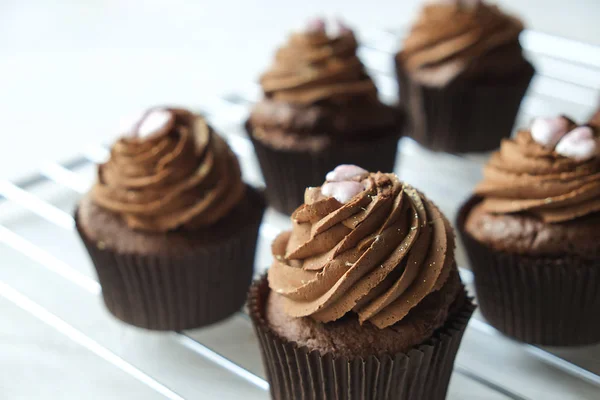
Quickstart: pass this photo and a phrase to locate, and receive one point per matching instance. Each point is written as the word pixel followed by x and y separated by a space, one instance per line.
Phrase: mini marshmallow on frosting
pixel 578 143
pixel 343 183
pixel 551 171
pixel 146 124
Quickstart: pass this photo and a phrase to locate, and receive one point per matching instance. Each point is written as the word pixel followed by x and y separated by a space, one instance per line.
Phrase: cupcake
pixel 532 231
pixel 462 75
pixel 320 109
pixel 170 226
pixel 363 299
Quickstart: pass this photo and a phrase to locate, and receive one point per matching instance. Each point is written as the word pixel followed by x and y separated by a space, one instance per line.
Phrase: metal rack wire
pixel 551 92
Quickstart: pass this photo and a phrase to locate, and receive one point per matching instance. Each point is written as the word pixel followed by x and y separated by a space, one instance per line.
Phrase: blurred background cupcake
pixel 365 287
pixel 462 75
pixel 169 225
pixel 320 109
pixel 532 232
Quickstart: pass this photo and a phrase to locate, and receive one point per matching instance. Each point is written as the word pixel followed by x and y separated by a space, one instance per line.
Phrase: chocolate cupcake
pixel 320 109
pixel 462 76
pixel 170 226
pixel 363 299
pixel 532 232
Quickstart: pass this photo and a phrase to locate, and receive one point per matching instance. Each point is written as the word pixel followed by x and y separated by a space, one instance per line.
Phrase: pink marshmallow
pixel 342 191
pixel 579 144
pixel 333 28
pixel 316 25
pixel 345 172
pixel 549 131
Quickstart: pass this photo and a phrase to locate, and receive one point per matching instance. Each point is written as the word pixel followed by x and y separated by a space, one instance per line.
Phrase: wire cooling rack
pixel 38 244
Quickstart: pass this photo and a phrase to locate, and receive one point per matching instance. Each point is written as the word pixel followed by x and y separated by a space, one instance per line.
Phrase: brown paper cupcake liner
pixel 552 301
pixel 203 286
pixel 464 116
pixel 295 372
pixel 288 173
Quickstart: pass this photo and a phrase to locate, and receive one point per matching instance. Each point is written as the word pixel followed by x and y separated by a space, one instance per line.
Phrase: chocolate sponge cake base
pixel 550 296
pixel 355 368
pixel 176 280
pixel 526 234
pixel 347 337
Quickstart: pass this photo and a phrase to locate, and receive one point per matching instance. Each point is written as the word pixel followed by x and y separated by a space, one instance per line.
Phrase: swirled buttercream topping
pixel 315 65
pixel 551 170
pixel 451 36
pixel 378 254
pixel 169 170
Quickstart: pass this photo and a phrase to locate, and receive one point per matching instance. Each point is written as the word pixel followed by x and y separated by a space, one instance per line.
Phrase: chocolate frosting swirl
pixel 170 171
pixel 450 39
pixel 379 254
pixel 317 92
pixel 313 67
pixel 526 176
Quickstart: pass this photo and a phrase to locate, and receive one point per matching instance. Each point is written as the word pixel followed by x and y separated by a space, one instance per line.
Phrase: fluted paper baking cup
pixel 200 287
pixel 288 173
pixel 294 372
pixel 464 116
pixel 552 301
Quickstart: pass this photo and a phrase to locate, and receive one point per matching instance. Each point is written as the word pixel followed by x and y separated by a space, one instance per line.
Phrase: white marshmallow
pixel 144 124
pixel 345 172
pixel 549 131
pixel 342 191
pixel 128 123
pixel 154 123
pixel 579 144
pixel 332 27
pixel 462 3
